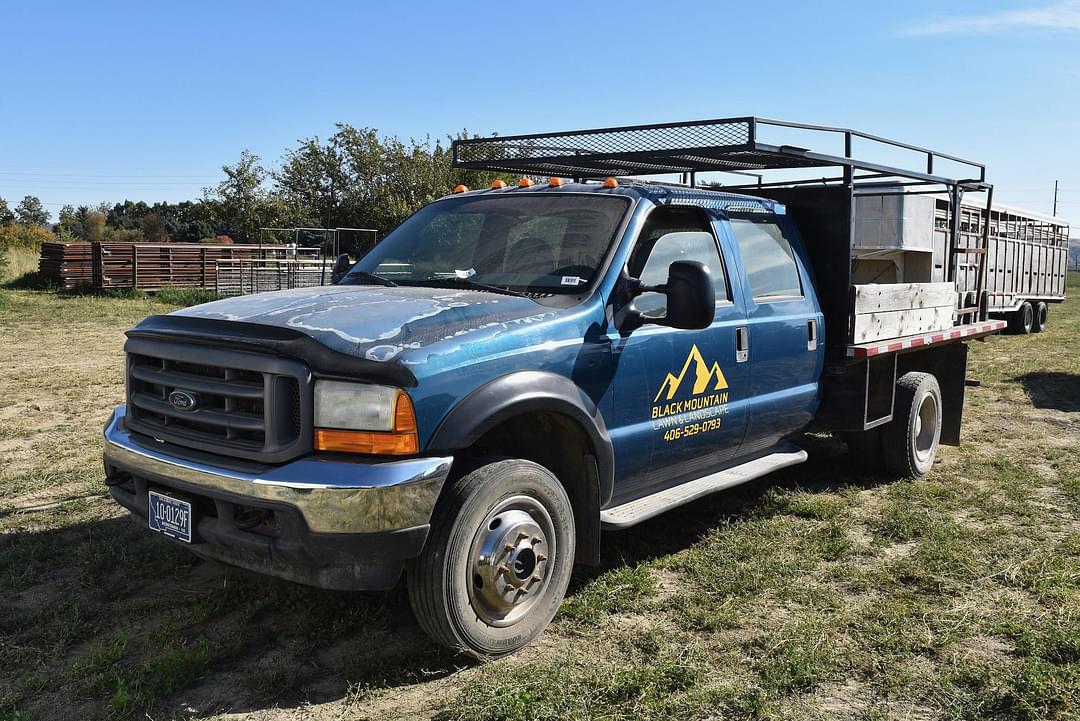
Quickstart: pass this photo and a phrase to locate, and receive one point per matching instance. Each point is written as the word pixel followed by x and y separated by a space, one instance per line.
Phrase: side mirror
pixel 691 299
pixel 341 267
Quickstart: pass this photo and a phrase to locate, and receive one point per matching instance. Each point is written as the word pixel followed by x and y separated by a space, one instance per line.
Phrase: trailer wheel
pixel 1021 322
pixel 910 440
pixel 864 449
pixel 1042 312
pixel 497 561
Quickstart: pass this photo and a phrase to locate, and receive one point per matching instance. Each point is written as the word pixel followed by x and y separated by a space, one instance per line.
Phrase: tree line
pixel 355 179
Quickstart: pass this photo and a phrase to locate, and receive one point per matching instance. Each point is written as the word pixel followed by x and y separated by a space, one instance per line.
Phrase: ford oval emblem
pixel 183 400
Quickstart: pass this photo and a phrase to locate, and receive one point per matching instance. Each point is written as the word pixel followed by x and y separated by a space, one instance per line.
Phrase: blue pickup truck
pixel 515 369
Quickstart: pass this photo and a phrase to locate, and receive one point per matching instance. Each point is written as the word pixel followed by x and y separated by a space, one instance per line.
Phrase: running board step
pixel 644 508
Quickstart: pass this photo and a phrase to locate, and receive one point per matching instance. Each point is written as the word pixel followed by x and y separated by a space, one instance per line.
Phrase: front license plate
pixel 170 516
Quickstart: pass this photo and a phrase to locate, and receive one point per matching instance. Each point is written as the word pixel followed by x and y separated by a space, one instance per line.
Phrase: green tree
pixel 240 204
pixel 153 228
pixel 93 225
pixel 6 216
pixel 359 179
pixel 68 225
pixel 31 211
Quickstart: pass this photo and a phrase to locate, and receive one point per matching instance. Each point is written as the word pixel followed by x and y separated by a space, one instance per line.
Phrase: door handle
pixel 742 344
pixel 811 334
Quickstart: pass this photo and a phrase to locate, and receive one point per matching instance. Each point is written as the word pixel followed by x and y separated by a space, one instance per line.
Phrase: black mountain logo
pixel 703 374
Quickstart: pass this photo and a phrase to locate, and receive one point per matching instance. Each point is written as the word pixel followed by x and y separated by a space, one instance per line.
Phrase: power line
pixel 94 176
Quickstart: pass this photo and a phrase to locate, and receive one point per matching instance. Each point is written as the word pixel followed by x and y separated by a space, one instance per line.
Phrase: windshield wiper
pixel 373 276
pixel 473 284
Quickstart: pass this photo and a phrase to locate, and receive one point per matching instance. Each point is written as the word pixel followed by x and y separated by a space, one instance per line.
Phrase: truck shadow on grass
pixel 828 469
pixel 102 617
pixel 1054 390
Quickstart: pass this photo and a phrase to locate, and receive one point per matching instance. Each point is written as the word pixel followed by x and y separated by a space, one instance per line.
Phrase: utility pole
pixel 1055 197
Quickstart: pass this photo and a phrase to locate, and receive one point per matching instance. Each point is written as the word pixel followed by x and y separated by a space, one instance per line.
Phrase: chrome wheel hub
pixel 509 560
pixel 926 423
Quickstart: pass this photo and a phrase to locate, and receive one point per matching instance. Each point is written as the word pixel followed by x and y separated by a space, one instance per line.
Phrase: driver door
pixel 678 410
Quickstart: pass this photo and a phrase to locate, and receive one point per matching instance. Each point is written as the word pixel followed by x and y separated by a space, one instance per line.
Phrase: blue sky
pixel 112 100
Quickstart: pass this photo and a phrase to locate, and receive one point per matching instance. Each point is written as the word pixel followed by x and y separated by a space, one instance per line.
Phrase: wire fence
pixel 244 277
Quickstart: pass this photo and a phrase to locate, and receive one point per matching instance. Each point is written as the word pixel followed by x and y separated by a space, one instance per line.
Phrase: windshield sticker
pixel 698 411
pixel 572 280
pixel 465 273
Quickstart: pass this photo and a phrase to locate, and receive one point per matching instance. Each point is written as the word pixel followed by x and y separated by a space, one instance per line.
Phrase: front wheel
pixel 497 561
pixel 910 439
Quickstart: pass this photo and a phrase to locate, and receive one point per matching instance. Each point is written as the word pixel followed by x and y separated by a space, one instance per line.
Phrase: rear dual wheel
pixel 1022 320
pixel 1040 316
pixel 907 445
pixel 497 561
pixel 910 440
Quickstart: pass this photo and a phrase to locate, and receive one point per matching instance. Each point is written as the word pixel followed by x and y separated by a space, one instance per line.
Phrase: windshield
pixel 544 243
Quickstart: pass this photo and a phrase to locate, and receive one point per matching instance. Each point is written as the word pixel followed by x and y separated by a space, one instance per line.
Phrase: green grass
pixel 822 594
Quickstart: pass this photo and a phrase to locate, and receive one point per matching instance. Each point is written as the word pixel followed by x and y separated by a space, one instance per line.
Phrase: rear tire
pixel 1021 321
pixel 1042 312
pixel 910 440
pixel 497 561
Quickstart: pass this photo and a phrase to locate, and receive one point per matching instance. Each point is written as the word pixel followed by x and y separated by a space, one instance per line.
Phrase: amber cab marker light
pixel 498 185
pixel 402 441
pixel 555 182
pixel 611 183
pixel 461 188
pixel 524 183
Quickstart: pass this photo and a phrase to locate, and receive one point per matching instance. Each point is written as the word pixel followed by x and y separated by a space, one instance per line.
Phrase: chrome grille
pixel 245 404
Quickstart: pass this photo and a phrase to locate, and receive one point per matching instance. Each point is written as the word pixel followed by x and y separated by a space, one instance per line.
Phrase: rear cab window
pixel 768 258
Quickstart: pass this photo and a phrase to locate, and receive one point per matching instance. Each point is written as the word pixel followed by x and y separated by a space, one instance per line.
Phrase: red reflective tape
pixel 918 341
pixel 895 346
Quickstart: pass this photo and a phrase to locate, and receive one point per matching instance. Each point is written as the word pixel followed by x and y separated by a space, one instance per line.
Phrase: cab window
pixel 768 258
pixel 657 248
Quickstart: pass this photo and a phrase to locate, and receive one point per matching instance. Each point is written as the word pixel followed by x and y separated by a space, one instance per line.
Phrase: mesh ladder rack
pixel 726 144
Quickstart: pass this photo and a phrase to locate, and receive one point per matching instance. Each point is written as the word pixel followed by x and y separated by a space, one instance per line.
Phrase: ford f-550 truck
pixel 514 369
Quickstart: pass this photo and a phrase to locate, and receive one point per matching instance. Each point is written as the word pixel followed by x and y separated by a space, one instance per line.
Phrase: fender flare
pixel 524 392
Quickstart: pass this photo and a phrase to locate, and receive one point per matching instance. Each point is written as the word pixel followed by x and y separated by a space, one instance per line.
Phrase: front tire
pixel 497 561
pixel 910 440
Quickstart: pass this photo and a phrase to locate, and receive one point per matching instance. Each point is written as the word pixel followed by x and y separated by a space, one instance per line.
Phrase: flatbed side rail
pixel 925 340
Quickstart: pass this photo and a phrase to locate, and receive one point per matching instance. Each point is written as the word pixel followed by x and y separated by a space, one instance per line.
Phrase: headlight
pixel 355 406
pixel 363 418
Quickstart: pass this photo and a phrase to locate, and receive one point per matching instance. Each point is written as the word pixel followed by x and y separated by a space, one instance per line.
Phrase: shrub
pixel 24 236
pixel 186 296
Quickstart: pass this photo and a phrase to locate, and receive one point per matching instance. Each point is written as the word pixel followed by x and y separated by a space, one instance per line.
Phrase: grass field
pixel 819 593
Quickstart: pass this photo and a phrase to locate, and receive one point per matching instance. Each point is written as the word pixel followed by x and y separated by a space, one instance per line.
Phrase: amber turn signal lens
pixel 524 183
pixel 404 417
pixel 461 188
pixel 369 442
pixel 555 182
pixel 611 183
pixel 498 185
pixel 402 441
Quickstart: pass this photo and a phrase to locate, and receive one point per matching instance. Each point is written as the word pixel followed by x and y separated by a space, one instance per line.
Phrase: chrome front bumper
pixel 332 495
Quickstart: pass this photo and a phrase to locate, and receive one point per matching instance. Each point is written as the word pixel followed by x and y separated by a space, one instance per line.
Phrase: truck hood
pixel 380 323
